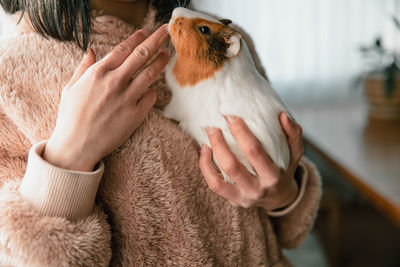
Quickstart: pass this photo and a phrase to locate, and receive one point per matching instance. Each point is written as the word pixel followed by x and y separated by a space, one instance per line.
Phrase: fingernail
pixel 164 38
pixel 165 25
pixel 231 118
pixel 211 130
pixel 203 148
pixel 290 118
pixel 165 28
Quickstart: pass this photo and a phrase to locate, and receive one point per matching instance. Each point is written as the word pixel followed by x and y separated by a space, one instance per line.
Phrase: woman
pixel 153 206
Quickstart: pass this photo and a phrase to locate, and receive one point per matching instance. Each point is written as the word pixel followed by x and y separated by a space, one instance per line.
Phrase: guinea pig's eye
pixel 205 30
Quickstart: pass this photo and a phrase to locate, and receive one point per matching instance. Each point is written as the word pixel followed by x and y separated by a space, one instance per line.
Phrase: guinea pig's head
pixel 199 37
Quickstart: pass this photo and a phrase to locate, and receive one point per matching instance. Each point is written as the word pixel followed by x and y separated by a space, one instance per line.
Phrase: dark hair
pixel 69 20
pixel 60 19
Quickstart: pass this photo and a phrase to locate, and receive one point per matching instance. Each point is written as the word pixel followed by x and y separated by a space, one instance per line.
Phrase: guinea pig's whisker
pixel 178 3
pixel 166 17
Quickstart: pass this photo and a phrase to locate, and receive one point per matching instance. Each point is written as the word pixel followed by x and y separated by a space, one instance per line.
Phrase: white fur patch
pixel 190 14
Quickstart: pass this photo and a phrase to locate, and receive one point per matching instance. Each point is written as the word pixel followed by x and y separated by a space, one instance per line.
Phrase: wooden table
pixel 364 151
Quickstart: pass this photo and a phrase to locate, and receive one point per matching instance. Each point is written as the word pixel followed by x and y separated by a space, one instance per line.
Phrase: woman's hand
pixel 105 102
pixel 272 188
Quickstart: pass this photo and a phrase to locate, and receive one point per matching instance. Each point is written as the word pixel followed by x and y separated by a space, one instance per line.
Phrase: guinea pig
pixel 213 75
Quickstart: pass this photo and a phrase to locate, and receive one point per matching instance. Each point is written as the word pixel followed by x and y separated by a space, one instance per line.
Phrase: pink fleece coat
pixel 153 206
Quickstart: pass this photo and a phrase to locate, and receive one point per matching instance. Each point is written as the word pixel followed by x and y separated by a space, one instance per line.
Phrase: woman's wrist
pixel 69 157
pixel 284 197
pixel 292 193
pixel 300 177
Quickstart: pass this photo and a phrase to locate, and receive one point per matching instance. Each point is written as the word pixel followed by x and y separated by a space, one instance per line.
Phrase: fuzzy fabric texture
pixel 153 206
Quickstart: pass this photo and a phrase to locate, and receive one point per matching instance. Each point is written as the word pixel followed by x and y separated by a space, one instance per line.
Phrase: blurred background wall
pixel 310 47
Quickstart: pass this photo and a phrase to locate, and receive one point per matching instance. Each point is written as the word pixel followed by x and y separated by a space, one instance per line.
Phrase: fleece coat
pixel 153 206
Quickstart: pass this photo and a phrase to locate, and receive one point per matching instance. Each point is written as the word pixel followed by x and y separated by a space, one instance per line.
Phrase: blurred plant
pixel 383 61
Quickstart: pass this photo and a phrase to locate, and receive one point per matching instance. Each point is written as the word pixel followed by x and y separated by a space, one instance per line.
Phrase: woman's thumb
pixel 88 60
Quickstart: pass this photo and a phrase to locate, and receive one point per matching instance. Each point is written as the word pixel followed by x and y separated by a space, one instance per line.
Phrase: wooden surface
pixel 365 152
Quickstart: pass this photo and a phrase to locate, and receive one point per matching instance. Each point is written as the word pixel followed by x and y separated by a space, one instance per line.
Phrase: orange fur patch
pixel 199 56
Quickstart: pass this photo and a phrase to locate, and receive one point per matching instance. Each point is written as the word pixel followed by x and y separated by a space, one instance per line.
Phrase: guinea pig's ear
pixel 225 21
pixel 234 44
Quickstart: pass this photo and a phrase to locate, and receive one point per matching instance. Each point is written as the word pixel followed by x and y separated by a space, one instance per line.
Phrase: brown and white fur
pixel 213 75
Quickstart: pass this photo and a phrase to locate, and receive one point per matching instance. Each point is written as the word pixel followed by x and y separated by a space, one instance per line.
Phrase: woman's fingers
pixel 228 162
pixel 250 145
pixel 143 53
pixel 88 60
pixel 147 76
pixel 143 106
pixel 295 139
pixel 122 51
pixel 214 181
pixel 274 187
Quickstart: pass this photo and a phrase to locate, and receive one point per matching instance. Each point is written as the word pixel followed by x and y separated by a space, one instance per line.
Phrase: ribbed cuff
pixel 303 182
pixel 54 191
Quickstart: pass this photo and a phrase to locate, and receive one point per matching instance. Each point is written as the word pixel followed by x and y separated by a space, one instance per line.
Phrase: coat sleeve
pixel 30 235
pixel 292 227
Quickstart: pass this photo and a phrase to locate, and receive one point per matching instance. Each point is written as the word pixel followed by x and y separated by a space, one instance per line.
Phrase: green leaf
pixel 390 74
